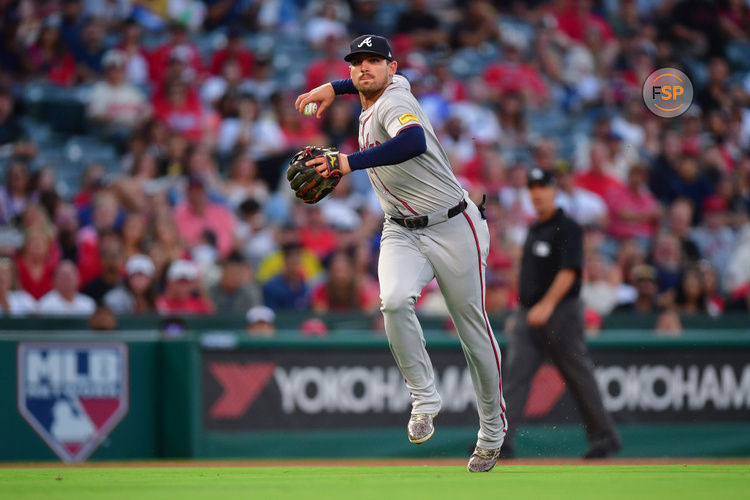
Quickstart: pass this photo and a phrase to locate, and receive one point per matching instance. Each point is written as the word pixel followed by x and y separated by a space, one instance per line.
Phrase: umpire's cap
pixel 540 177
pixel 370 44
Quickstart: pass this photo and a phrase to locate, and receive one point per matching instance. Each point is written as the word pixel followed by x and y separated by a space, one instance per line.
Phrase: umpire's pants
pixel 560 340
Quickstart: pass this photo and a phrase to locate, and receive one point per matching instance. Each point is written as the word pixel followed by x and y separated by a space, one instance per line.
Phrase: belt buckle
pixel 414 222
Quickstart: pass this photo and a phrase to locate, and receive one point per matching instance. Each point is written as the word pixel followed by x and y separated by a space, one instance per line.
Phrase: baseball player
pixel 432 230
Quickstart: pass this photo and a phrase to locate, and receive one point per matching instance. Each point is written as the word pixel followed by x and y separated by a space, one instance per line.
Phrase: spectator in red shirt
pixel 315 235
pixel 184 293
pixel 513 75
pixel 596 179
pixel 344 290
pixel 37 262
pixel 634 211
pixel 49 56
pixel 575 20
pixel 734 19
pixel 159 58
pixel 180 110
pixel 91 182
pixel 198 214
pixel 234 49
pixel 332 67
pixel 104 219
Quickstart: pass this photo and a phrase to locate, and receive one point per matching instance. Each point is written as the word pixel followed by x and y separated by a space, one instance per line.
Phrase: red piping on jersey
pixel 362 134
pixel 389 192
pixel 408 126
pixel 392 87
pixel 486 321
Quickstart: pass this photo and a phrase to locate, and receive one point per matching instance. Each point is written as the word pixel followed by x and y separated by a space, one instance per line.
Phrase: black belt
pixel 421 221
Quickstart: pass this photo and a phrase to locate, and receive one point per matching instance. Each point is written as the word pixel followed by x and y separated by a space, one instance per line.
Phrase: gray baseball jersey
pixel 454 251
pixel 418 186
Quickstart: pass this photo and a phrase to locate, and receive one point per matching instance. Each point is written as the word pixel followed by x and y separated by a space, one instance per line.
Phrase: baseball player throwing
pixel 432 230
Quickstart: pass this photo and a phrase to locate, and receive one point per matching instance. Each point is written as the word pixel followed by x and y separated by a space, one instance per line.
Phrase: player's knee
pixel 395 303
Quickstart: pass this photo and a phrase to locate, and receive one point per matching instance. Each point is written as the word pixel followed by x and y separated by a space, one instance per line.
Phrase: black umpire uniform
pixel 553 245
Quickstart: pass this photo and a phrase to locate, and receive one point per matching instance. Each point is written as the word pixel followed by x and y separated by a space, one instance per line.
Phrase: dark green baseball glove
pixel 306 182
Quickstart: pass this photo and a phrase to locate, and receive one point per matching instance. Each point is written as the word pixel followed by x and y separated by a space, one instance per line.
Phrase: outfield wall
pixel 219 394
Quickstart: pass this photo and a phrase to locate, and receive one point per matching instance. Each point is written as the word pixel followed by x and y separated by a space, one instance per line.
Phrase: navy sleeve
pixel 408 143
pixel 343 86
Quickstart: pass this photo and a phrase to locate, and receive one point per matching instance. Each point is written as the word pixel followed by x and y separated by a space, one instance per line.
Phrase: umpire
pixel 550 320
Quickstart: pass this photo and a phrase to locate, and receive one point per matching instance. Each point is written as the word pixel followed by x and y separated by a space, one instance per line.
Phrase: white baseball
pixel 310 109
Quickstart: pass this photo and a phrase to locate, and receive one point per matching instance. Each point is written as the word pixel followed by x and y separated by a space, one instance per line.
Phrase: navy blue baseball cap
pixel 540 177
pixel 370 44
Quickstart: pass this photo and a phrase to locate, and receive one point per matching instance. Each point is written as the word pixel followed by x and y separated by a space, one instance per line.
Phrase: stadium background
pixel 121 121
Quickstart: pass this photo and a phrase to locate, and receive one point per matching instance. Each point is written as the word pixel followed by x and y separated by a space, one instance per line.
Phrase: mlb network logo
pixel 73 395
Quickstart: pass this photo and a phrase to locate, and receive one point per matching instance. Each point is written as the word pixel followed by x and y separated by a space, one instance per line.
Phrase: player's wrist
pixel 344 162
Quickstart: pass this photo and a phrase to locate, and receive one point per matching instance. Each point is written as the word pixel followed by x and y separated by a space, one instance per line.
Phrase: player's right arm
pixel 324 95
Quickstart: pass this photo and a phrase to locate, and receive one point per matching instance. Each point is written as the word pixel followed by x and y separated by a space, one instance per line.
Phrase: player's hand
pixel 321 167
pixel 539 314
pixel 323 96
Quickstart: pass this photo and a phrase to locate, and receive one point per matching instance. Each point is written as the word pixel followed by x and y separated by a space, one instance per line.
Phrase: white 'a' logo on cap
pixel 367 41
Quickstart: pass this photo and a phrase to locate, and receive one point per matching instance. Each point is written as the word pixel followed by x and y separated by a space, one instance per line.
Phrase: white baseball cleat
pixel 483 459
pixel 420 427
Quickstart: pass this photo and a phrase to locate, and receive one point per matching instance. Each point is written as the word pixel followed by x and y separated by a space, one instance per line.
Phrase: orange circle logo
pixel 668 92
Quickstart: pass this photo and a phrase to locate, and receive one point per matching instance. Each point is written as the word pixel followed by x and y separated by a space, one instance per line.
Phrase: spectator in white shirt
pixel 714 238
pixel 516 202
pixel 584 206
pixel 116 104
pixel 249 132
pixel 64 299
pixel 13 302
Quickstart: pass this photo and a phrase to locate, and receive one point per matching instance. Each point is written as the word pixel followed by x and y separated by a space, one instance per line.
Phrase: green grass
pixel 389 483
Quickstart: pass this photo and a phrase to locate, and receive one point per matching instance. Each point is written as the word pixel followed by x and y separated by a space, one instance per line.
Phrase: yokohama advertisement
pixel 330 389
pixel 323 389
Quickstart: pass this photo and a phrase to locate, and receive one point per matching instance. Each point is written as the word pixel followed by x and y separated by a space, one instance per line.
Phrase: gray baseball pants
pixel 455 253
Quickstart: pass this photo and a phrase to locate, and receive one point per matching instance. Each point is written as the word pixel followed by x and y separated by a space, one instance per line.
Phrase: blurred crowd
pixel 196 217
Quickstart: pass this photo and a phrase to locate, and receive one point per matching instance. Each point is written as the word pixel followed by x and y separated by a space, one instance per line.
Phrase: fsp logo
pixel 668 92
pixel 367 41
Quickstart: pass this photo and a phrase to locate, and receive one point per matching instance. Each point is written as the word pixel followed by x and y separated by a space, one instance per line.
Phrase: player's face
pixel 371 73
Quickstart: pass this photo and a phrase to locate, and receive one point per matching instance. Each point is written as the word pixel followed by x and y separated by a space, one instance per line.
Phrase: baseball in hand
pixel 310 109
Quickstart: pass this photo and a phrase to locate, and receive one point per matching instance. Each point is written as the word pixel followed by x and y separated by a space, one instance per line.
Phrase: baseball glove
pixel 306 182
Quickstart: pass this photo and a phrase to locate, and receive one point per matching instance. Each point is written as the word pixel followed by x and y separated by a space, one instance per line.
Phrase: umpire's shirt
pixel 551 246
